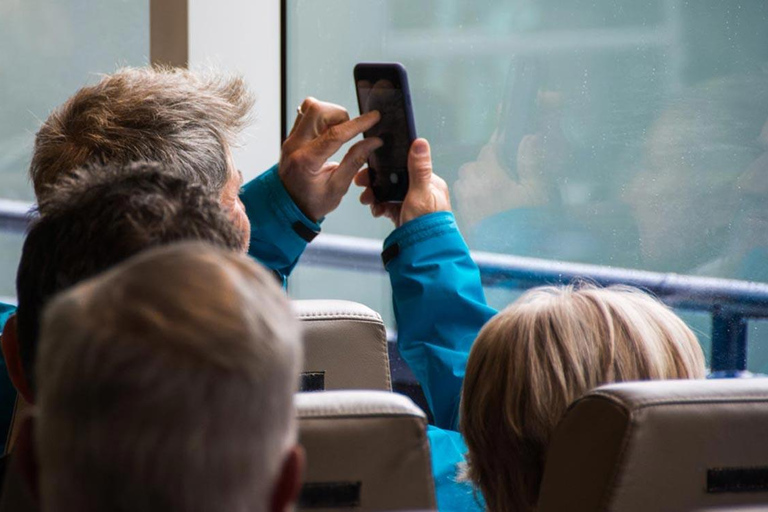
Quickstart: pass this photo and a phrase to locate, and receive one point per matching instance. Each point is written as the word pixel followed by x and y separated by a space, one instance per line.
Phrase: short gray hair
pixel 167 384
pixel 174 116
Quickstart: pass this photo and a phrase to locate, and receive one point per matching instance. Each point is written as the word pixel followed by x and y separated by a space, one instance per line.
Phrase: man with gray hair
pixel 166 384
pixel 188 122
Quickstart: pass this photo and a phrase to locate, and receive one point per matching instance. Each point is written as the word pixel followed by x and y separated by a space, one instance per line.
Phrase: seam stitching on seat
pixel 361 413
pixel 385 353
pixel 341 315
pixel 680 401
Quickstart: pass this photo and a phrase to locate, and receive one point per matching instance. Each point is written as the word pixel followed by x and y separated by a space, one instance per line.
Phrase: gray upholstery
pixel 366 449
pixel 660 446
pixel 345 344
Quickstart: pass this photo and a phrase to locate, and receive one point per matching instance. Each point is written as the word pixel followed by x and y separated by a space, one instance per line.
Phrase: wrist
pixel 297 195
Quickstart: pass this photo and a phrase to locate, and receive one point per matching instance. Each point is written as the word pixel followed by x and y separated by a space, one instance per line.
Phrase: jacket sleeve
pixel 279 230
pixel 439 307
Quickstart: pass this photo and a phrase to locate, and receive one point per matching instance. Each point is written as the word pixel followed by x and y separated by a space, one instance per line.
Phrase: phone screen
pixel 518 114
pixel 389 164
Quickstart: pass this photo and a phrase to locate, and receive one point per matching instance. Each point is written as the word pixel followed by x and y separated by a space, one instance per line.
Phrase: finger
pixel 317 116
pixel 367 197
pixel 363 178
pixel 336 136
pixel 355 158
pixel 392 212
pixel 529 157
pixel 419 164
pixel 296 122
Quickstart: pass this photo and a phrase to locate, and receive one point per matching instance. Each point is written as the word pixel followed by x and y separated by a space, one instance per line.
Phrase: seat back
pixel 345 346
pixel 366 450
pixel 663 446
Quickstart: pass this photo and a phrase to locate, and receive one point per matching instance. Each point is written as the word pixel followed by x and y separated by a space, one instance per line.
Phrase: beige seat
pixel 665 446
pixel 366 450
pixel 345 346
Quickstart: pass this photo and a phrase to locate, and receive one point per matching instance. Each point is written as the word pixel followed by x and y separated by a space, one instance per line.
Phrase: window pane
pixel 373 290
pixel 614 132
pixel 51 48
pixel 617 132
pixel 757 355
pixel 10 251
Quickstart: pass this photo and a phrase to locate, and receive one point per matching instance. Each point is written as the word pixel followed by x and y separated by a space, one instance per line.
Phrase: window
pixel 616 132
pixel 49 50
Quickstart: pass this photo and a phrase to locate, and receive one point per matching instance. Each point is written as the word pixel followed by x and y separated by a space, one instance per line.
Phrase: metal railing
pixel 731 303
pixel 14 215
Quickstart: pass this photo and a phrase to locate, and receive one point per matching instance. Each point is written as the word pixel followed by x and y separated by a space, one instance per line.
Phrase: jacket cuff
pixel 426 227
pixel 267 201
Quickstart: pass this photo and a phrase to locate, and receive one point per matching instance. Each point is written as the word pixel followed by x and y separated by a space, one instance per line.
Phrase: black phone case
pixel 389 70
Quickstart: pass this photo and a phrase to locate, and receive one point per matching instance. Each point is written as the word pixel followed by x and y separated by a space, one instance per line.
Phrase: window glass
pixel 10 251
pixel 757 353
pixel 618 132
pixel 51 48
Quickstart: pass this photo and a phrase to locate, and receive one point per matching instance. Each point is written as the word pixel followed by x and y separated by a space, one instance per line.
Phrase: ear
pixel 24 457
pixel 288 483
pixel 12 355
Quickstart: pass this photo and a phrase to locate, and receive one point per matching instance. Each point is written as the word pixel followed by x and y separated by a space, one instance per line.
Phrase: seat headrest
pixel 366 450
pixel 345 346
pixel 335 404
pixel 661 446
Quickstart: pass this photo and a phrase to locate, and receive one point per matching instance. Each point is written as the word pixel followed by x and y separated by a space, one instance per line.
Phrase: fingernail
pixel 420 147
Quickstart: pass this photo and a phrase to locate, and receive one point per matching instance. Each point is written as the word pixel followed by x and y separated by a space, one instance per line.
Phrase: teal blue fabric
pixel 448 451
pixel 7 391
pixel 272 213
pixel 6 310
pixel 440 307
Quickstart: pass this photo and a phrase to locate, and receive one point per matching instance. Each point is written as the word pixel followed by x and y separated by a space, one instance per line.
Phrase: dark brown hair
pixel 100 216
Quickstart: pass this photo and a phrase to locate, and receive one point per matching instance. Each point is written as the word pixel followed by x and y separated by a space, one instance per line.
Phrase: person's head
pixel 100 216
pixel 166 384
pixel 187 121
pixel 532 360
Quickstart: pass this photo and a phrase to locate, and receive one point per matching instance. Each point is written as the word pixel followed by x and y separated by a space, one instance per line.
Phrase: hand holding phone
pixel 427 192
pixel 384 87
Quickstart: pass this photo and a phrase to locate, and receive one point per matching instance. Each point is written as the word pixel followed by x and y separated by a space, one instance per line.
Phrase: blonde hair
pixel 170 115
pixel 532 360
pixel 167 384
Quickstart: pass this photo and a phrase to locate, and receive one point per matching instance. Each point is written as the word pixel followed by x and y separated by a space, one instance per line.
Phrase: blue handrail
pixel 14 215
pixel 500 270
pixel 730 302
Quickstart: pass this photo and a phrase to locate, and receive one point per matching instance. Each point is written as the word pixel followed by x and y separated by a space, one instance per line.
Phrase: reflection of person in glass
pixel 520 184
pixel 699 195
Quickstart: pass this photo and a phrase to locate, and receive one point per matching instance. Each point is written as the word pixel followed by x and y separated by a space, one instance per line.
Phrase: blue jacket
pixel 440 307
pixel 7 391
pixel 279 229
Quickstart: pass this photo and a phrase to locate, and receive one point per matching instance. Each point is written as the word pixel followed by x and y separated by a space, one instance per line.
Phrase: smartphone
pixel 518 110
pixel 383 86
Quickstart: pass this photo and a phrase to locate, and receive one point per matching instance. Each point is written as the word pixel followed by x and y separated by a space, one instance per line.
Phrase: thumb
pixel 419 164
